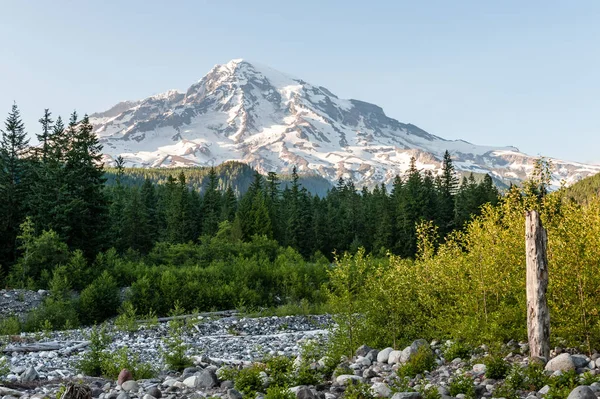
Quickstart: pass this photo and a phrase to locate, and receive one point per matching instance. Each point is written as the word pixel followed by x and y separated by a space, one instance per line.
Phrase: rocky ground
pixel 19 302
pixel 239 341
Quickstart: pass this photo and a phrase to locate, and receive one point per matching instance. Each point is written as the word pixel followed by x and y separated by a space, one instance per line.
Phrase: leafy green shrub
pixel 430 392
pixel 227 373
pixel 358 391
pixel 127 319
pixel 457 349
pixel 506 390
pixel 10 326
pixel 113 363
pixel 100 300
pixel 248 380
pixel 588 378
pixel 310 353
pixel 3 367
pixel 401 384
pixel 423 360
pixel 530 377
pixel 92 361
pixel 562 385
pixel 496 367
pixel 462 384
pixel 279 369
pixel 175 350
pixel 279 392
pixel 54 314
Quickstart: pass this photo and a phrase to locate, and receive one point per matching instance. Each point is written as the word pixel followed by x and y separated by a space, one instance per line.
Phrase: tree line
pixel 60 187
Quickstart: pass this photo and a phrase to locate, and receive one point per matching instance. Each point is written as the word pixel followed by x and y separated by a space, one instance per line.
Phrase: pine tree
pixel 87 204
pixel 211 205
pixel 44 137
pixel 13 184
pixel 447 189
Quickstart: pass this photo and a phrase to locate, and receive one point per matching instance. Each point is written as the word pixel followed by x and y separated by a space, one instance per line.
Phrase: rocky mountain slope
pixel 251 113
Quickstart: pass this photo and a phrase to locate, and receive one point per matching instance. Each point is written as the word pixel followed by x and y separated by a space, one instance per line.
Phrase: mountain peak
pixel 272 121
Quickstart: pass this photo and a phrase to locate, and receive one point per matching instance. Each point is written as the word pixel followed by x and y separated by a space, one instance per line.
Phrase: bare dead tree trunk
pixel 538 315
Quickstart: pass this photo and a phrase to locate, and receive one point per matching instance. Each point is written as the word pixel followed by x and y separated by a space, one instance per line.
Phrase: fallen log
pixel 64 347
pixel 222 313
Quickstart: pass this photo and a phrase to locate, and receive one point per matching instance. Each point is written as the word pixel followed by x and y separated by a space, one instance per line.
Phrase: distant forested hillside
pixel 232 174
pixel 583 191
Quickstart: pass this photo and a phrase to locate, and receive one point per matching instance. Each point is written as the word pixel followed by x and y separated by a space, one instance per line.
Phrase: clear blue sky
pixel 523 73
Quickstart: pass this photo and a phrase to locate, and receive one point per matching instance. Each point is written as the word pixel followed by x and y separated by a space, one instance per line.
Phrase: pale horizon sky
pixel 516 73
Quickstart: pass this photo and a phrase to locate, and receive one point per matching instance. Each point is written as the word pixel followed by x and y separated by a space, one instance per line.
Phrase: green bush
pixel 113 363
pixel 279 369
pixel 562 385
pixel 54 314
pixel 588 378
pixel 496 367
pixel 100 300
pixel 506 390
pixel 358 391
pixel 431 392
pixel 401 384
pixel 421 361
pixel 127 319
pixel 462 384
pixel 311 352
pixel 279 392
pixel 92 362
pixel 457 349
pixel 531 377
pixel 4 370
pixel 10 326
pixel 248 380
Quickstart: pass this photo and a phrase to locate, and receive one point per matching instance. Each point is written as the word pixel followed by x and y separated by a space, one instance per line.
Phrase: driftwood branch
pixel 222 313
pixel 65 348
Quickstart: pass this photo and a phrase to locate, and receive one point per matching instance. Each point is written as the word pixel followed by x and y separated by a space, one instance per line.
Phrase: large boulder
pixel 407 354
pixel 580 361
pixel 384 355
pixel 130 386
pixel 394 357
pixel 30 374
pixel 582 392
pixel 305 393
pixel 562 362
pixel 207 379
pixel 124 375
pixel 363 350
pixel 381 390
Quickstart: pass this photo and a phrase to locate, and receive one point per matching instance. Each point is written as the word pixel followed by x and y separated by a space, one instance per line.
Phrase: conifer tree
pixel 13 184
pixel 211 205
pixel 44 137
pixel 87 204
pixel 448 185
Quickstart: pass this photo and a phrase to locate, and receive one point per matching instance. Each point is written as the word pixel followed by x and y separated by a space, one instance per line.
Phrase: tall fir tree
pixel 87 204
pixel 13 183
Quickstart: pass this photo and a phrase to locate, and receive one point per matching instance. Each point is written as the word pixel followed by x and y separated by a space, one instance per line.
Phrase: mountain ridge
pixel 272 121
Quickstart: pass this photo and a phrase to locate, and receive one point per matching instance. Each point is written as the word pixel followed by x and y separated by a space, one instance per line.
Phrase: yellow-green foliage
pixel 472 286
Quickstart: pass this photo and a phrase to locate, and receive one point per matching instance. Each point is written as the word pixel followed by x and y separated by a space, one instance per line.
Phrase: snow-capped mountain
pixel 251 113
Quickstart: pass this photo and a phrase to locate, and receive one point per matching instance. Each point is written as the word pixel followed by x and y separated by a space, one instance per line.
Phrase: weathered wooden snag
pixel 538 315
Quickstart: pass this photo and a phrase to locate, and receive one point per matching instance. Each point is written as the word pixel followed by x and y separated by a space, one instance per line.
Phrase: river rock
pixel 582 392
pixel 381 390
pixel 384 355
pixel 562 362
pixel 394 357
pixel 130 386
pixel 124 375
